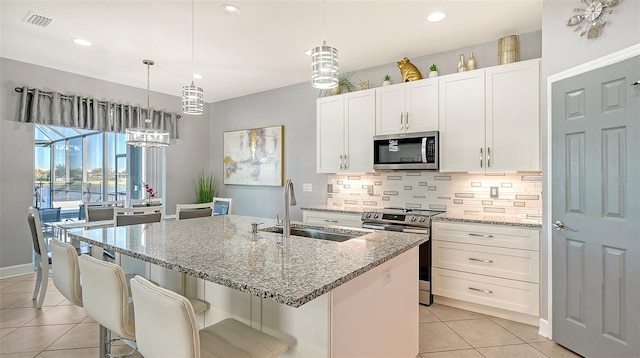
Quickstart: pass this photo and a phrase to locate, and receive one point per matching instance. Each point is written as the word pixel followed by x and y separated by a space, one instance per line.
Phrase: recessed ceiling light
pixel 82 42
pixel 197 76
pixel 436 16
pixel 230 9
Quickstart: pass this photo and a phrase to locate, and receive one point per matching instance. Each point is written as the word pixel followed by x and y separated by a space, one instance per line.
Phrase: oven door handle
pixel 373 226
pixel 424 149
pixel 416 230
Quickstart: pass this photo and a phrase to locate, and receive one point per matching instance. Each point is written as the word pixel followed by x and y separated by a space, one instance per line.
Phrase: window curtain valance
pixel 53 108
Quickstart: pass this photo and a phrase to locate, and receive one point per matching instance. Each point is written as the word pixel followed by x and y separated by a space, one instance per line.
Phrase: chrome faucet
pixel 289 200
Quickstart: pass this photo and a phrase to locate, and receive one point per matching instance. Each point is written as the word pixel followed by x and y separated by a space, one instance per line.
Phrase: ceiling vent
pixel 35 19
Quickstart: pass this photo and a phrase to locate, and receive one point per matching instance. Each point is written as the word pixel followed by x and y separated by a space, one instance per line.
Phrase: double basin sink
pixel 314 233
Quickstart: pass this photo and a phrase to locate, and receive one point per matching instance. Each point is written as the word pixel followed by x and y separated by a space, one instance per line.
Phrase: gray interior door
pixel 596 211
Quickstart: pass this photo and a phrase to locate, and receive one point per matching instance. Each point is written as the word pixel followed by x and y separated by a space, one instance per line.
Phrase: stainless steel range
pixel 415 221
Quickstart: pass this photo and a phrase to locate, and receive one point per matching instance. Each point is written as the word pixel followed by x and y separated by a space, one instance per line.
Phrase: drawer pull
pixel 481 260
pixel 481 235
pixel 479 290
pixel 331 221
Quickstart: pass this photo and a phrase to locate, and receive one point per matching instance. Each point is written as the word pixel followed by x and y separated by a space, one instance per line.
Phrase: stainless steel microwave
pixel 410 151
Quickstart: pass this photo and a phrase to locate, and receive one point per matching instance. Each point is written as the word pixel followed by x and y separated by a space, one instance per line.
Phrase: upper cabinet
pixel 345 128
pixel 489 119
pixel 407 107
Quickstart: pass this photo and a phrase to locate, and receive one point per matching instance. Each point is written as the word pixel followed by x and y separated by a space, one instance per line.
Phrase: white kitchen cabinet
pixel 489 119
pixel 345 128
pixel 407 107
pixel 333 218
pixel 490 269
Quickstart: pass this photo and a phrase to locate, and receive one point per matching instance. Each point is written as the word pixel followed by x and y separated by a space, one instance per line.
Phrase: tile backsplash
pixel 518 194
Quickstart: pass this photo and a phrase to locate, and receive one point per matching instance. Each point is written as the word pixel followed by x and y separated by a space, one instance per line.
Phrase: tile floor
pixel 60 329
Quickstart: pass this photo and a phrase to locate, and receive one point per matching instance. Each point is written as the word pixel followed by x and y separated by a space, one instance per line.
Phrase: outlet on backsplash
pixel 519 194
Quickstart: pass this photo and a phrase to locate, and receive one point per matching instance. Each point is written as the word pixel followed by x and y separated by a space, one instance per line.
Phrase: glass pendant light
pixel 324 62
pixel 192 96
pixel 147 136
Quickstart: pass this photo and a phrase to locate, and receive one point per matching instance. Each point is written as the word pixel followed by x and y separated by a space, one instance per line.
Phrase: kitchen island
pixel 324 298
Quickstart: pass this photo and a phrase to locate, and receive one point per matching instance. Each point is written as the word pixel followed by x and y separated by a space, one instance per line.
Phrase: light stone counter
pixel 223 250
pixel 505 220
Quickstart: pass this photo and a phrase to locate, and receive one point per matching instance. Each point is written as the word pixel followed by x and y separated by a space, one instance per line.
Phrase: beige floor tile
pixel 16 317
pixel 89 320
pixel 515 351
pixel 483 333
pixel 436 337
pixel 19 355
pixel 426 315
pixel 51 299
pixel 8 300
pixel 21 286
pixel 27 277
pixel 70 353
pixel 5 331
pixel 84 335
pixel 5 284
pixel 446 313
pixel 554 350
pixel 523 331
pixel 465 353
pixel 124 349
pixel 30 339
pixel 59 315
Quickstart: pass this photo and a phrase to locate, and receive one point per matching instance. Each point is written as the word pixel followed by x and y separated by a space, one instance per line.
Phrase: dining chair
pixel 66 271
pixel 135 216
pixel 101 210
pixel 190 211
pixel 106 300
pixel 174 333
pixel 42 258
pixel 222 206
pixel 49 215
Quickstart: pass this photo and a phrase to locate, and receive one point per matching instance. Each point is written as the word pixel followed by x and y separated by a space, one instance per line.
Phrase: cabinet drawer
pixel 487 235
pixel 329 218
pixel 522 265
pixel 501 293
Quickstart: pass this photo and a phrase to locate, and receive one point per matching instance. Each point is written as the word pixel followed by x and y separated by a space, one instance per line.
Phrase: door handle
pixel 341 166
pixel 401 121
pixel 559 225
pixel 481 157
pixel 488 157
pixel 346 163
pixel 407 120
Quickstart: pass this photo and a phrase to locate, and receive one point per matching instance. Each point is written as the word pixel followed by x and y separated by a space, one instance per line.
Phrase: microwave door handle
pixel 424 149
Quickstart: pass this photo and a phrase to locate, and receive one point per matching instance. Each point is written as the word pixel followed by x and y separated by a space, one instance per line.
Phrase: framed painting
pixel 253 156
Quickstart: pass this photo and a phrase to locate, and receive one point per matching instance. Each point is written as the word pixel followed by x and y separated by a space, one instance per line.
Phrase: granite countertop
pixel 222 249
pixel 506 220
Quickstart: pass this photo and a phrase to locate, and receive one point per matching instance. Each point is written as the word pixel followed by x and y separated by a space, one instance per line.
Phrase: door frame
pixel 546 327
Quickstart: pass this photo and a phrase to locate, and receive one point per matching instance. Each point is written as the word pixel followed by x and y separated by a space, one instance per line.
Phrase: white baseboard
pixel 16 270
pixel 544 328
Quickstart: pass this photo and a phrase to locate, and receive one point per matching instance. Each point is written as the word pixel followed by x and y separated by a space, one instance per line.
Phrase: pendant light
pixel 192 96
pixel 324 61
pixel 147 136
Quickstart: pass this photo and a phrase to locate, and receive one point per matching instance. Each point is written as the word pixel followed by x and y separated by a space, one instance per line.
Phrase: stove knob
pixel 413 219
pixel 376 216
pixel 368 215
pixel 422 220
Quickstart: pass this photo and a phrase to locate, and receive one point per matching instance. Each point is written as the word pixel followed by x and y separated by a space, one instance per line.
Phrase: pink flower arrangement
pixel 149 190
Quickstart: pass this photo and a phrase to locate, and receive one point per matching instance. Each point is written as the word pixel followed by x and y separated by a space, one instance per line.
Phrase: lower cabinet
pixel 332 218
pixel 487 268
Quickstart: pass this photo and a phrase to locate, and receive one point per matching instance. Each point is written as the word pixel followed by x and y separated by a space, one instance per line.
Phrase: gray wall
pixel 563 49
pixel 185 157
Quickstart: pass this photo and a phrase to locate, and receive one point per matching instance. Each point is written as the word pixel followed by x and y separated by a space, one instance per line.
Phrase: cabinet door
pixel 422 105
pixel 513 121
pixel 359 108
pixel 390 109
pixel 461 122
pixel 329 134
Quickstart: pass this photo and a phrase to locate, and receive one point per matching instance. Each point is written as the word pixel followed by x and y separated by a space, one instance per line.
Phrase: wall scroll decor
pixel 253 156
pixel 590 20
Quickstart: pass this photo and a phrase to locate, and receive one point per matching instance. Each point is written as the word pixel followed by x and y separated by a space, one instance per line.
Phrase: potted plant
pixel 205 188
pixel 344 86
pixel 387 80
pixel 433 71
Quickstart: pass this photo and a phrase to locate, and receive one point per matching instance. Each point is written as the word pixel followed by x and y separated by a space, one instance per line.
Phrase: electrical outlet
pixel 386 276
pixel 370 189
pixel 494 192
pixel 329 188
pixel 307 187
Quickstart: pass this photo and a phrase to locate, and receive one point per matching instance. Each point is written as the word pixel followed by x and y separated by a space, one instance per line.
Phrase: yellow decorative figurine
pixel 409 71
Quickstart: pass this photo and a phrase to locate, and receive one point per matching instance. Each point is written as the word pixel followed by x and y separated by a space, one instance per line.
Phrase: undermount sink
pixel 313 233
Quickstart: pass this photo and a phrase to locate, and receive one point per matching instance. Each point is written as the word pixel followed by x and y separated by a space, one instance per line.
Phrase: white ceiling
pixel 260 49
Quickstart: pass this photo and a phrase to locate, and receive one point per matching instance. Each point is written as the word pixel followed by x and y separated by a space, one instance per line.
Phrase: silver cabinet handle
pixel 401 121
pixel 559 225
pixel 341 166
pixel 488 157
pixel 407 120
pixel 331 221
pixel 479 290
pixel 481 157
pixel 346 162
pixel 481 260
pixel 481 235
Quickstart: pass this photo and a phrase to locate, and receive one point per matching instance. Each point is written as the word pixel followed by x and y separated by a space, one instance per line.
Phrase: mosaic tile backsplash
pixel 518 194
